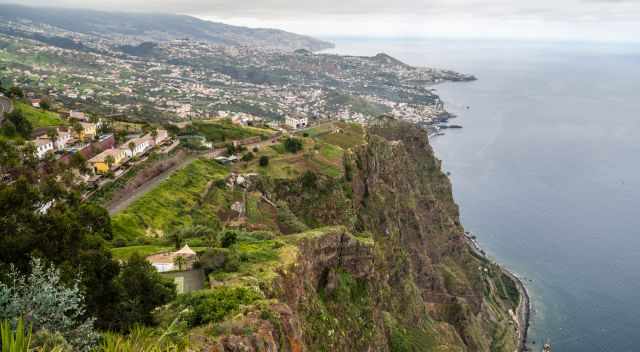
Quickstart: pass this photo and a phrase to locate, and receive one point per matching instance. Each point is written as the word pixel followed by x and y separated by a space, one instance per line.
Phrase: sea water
pixel 547 174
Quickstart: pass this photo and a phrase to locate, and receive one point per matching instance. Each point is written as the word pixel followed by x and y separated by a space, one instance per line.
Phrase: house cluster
pixel 61 138
pixel 111 159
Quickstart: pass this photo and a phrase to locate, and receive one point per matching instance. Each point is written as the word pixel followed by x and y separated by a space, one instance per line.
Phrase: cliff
pixel 393 271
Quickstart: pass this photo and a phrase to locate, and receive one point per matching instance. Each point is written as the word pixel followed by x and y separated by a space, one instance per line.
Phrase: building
pixel 43 146
pixel 140 145
pixel 64 137
pixel 168 261
pixel 88 130
pixel 296 123
pixel 161 137
pixel 100 164
pixel 78 116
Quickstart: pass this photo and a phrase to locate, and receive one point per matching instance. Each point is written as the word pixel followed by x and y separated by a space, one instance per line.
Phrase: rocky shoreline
pixel 524 307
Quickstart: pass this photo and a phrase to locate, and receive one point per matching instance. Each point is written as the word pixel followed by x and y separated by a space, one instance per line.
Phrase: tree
pixel 247 157
pixel 77 128
pixel 309 179
pixel 69 234
pixel 132 147
pixel 110 161
pixel 44 105
pixel 143 290
pixel 9 157
pixel 22 125
pixel 52 133
pixel 154 134
pixel 48 304
pixel 180 262
pixel 79 162
pixel 264 161
pixel 292 145
pixel 16 92
pixel 228 238
pixel 177 238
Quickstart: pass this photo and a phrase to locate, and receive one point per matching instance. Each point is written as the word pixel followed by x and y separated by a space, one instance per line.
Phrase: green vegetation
pixel 18 340
pixel 177 202
pixel 214 305
pixel 39 117
pixel 344 135
pixel 123 253
pixel 292 145
pixel 223 130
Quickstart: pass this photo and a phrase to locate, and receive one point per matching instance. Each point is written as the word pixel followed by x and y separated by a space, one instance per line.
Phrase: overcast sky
pixel 605 20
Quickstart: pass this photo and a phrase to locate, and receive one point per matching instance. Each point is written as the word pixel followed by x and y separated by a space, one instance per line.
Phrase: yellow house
pixel 100 164
pixel 88 130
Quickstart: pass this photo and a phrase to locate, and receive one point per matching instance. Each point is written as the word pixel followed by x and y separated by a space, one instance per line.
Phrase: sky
pixel 600 20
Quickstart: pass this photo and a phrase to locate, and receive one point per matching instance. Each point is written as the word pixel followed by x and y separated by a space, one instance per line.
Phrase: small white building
pixel 296 123
pixel 43 146
pixel 162 135
pixel 64 136
pixel 140 145
pixel 164 262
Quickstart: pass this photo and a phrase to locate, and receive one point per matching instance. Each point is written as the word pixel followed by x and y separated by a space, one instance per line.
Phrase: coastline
pixel 523 312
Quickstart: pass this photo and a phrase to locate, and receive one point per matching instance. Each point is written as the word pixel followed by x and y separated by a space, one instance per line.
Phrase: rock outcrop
pixel 394 274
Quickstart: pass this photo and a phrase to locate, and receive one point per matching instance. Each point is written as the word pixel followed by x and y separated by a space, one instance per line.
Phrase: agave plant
pixel 17 340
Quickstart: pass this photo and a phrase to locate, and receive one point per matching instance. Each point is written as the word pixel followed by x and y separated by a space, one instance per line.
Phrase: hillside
pixel 157 27
pixel 352 244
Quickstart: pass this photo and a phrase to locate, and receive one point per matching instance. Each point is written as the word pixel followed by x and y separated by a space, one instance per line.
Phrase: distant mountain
pixel 155 27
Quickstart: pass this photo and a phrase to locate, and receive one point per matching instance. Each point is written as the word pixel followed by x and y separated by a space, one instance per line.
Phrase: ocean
pixel 546 172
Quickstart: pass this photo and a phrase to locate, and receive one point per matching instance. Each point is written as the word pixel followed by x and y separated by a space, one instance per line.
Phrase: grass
pixel 344 135
pixel 224 130
pixel 38 117
pixel 176 202
pixel 124 253
pixel 316 156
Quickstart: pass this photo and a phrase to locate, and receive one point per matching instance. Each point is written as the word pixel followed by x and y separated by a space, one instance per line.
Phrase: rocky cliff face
pixel 393 274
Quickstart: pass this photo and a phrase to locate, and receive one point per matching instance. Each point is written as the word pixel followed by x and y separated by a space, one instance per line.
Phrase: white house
pixel 162 136
pixel 43 146
pixel 296 123
pixel 64 136
pixel 164 262
pixel 140 145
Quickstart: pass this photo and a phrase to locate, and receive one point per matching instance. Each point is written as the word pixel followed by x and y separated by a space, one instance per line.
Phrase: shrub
pixel 247 157
pixel 264 160
pixel 228 239
pixel 49 304
pixel 214 305
pixel 293 145
pixel 309 179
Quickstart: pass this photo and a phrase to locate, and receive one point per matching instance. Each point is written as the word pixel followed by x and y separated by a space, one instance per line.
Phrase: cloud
pixel 563 19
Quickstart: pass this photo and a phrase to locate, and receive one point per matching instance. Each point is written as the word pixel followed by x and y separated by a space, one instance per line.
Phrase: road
pixel 5 107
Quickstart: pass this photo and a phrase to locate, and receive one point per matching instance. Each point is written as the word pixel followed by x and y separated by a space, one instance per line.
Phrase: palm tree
pixel 77 127
pixel 132 147
pixel 180 262
pixel 110 161
pixel 154 134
